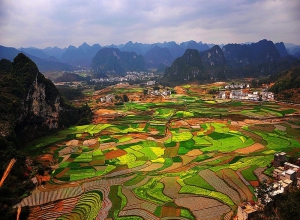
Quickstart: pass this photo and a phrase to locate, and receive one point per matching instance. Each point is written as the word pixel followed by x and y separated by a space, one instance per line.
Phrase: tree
pixel 145 91
pixel 125 98
pixel 156 88
pixel 254 83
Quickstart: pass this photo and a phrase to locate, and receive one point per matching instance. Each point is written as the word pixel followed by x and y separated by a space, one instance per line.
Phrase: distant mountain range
pixel 49 64
pixel 263 58
pixel 242 59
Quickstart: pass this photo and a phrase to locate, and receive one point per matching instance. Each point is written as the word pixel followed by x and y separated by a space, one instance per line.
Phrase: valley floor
pixel 185 156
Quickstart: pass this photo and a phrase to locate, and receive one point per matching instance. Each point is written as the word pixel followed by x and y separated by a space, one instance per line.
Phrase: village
pixel 129 76
pixel 285 176
pixel 155 91
pixel 243 92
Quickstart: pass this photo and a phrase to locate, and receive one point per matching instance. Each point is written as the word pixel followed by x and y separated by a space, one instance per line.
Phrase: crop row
pixel 202 207
pixel 87 207
pixel 208 193
pixel 260 161
pixel 234 181
pixel 53 210
pixel 219 185
pixel 50 196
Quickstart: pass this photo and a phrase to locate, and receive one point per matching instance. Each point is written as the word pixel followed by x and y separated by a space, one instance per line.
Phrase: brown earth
pixel 114 154
pixel 254 183
pixel 168 211
pixel 250 149
pixel 44 159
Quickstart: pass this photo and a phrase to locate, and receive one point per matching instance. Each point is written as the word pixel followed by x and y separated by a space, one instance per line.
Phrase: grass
pixel 204 192
pixel 157 193
pixel 186 214
pixel 197 180
pixel 135 180
pixel 248 174
pixel 179 137
pixel 260 161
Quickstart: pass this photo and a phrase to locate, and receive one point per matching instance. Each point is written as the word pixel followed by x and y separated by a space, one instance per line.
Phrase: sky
pixel 44 23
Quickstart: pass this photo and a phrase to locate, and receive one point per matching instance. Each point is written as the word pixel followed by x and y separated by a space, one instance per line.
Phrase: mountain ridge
pixel 245 59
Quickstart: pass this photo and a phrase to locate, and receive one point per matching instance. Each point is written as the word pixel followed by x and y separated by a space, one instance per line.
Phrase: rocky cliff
pixel 30 104
pixel 213 57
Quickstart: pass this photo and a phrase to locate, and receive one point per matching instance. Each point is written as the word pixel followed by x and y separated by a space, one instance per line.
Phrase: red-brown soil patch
pixel 254 183
pixel 233 127
pixel 250 149
pixel 142 125
pixel 44 178
pixel 179 90
pixel 193 121
pixel 139 135
pixel 53 210
pixel 45 159
pixel 114 154
pixel 59 205
pixel 104 112
pixel 194 152
pixel 168 211
pixel 180 124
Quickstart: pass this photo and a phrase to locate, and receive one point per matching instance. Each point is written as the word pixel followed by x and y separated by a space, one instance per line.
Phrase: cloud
pixel 62 22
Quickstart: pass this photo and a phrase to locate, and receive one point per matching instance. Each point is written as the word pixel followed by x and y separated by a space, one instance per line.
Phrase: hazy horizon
pixel 62 23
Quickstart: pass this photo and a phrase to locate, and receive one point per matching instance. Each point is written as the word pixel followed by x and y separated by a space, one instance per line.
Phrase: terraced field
pixel 180 158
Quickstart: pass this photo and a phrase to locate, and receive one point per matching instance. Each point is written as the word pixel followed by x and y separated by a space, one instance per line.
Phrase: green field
pixel 152 154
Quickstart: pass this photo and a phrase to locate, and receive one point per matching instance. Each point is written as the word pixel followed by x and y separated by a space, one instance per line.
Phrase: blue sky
pixel 41 23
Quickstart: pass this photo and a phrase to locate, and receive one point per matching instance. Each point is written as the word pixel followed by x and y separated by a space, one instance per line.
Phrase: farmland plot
pixel 203 208
pixel 220 185
pixel 160 159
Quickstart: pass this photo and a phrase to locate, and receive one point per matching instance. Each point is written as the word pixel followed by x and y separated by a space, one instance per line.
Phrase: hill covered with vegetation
pixel 196 66
pixel 113 61
pixel 287 85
